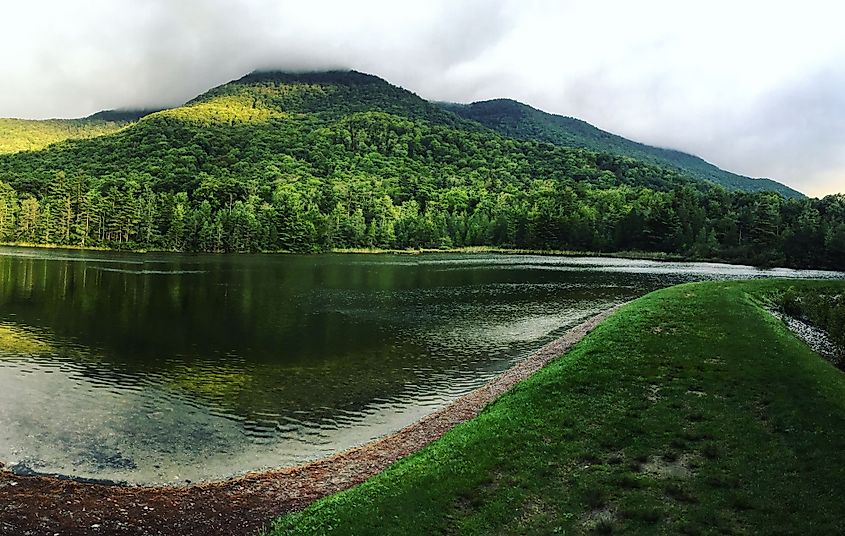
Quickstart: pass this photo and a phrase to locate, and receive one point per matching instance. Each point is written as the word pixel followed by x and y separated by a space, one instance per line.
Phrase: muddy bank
pixel 36 505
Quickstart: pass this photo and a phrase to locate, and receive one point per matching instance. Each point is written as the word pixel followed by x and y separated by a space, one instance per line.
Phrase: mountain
pixel 518 120
pixel 278 161
pixel 325 125
pixel 334 94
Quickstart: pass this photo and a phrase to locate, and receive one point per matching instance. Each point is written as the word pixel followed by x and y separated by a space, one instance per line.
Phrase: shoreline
pixel 641 255
pixel 246 504
pixel 469 250
pixel 632 255
pixel 657 257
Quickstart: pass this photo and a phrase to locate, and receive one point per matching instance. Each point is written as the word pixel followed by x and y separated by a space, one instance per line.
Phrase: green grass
pixel 690 411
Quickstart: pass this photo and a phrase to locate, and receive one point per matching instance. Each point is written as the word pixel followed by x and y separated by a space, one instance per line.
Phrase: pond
pixel 165 368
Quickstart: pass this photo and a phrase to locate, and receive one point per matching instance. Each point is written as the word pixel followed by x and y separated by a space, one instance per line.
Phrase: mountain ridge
pixel 504 116
pixel 516 119
pixel 124 115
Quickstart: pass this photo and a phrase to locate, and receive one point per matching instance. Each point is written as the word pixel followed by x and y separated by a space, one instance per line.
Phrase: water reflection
pixel 162 368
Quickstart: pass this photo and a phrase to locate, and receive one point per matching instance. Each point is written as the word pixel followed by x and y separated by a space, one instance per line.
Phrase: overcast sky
pixel 755 87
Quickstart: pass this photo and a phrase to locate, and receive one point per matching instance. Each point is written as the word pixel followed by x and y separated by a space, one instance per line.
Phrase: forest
pixel 308 215
pixel 274 163
pixel 517 120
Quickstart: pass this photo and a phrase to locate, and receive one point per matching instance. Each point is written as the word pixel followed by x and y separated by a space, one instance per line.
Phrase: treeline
pixel 309 214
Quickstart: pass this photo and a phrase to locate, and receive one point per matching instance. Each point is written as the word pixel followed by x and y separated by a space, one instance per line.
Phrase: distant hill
pixel 18 135
pixel 29 135
pixel 518 120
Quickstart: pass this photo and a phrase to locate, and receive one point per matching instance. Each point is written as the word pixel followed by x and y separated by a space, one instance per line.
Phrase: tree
pixel 29 220
pixel 8 209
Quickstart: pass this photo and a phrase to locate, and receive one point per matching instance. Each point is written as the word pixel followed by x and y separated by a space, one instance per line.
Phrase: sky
pixel 756 87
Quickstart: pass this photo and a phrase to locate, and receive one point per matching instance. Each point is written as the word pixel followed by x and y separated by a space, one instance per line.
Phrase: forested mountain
pixel 309 162
pixel 28 135
pixel 514 119
pixel 331 95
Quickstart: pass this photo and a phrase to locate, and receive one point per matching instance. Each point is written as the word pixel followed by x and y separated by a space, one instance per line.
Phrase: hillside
pixel 311 162
pixel 30 135
pixel 514 119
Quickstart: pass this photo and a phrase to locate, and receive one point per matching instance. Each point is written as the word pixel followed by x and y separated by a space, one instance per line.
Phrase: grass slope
pixel 518 120
pixel 691 411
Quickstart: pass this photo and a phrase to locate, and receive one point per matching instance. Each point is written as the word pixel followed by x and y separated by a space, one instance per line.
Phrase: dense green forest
pixel 282 162
pixel 518 120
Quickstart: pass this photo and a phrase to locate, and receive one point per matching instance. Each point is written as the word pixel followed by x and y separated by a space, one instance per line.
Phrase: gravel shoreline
pixel 42 505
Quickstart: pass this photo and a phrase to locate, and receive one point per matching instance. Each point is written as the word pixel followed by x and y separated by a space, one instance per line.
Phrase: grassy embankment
pixel 690 411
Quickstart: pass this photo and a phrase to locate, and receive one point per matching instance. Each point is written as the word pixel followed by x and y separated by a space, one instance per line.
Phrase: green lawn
pixel 690 411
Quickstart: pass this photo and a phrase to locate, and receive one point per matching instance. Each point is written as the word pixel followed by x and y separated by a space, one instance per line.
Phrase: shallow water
pixel 171 368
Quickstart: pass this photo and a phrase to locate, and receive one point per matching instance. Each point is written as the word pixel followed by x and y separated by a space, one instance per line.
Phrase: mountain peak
pixel 331 77
pixel 329 94
pixel 122 115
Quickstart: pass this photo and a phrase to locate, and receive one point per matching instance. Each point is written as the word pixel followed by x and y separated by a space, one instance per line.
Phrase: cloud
pixel 72 59
pixel 795 131
pixel 752 86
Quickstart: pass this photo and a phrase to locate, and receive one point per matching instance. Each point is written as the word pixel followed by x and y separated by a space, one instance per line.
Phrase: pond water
pixel 164 368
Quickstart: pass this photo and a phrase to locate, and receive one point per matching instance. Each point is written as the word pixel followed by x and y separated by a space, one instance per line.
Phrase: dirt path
pixel 38 505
